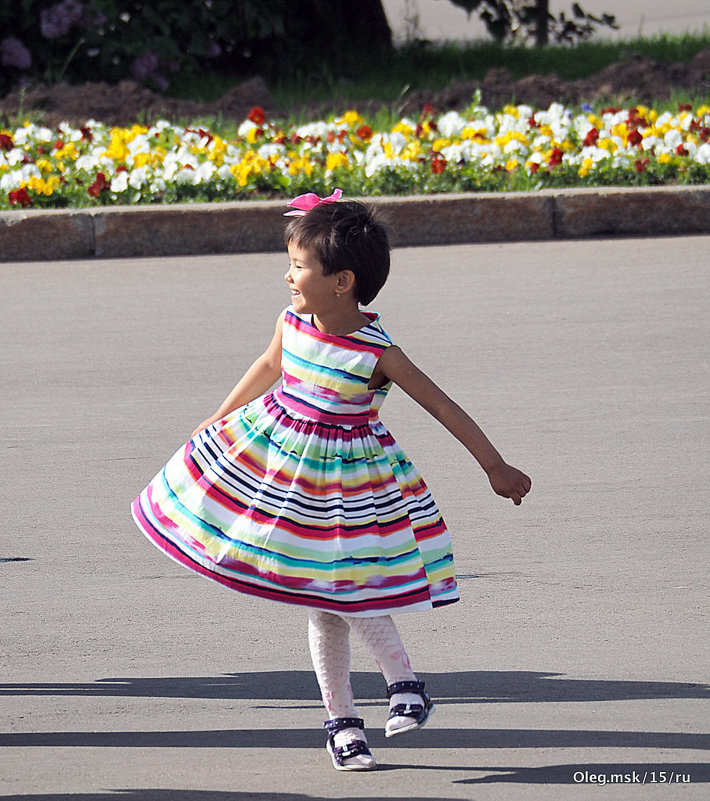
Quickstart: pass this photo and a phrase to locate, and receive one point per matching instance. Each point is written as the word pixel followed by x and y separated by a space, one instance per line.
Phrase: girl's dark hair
pixel 347 235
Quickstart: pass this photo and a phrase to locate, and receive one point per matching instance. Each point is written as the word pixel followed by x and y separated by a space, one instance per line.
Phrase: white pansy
pixel 10 180
pixel 702 154
pixel 245 127
pixel 14 157
pixel 451 124
pixel 138 177
pixel 120 182
pixel 673 138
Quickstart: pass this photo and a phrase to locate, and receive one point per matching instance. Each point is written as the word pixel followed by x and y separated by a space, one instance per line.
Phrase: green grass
pixel 419 66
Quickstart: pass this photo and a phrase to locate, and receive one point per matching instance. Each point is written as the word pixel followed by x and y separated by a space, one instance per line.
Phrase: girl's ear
pixel 345 282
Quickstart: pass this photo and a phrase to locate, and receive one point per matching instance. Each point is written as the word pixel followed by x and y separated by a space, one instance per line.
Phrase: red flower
pixel 635 138
pixel 534 167
pixel 19 197
pixel 555 157
pixel 438 164
pixel 428 111
pixel 641 164
pixel 100 185
pixel 6 142
pixel 532 123
pixel 59 144
pixel 705 134
pixel 591 138
pixel 684 107
pixel 364 132
pixel 680 150
pixel 86 135
pixel 256 115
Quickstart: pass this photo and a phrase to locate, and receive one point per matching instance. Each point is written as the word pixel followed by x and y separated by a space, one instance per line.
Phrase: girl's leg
pixel 329 642
pixel 381 637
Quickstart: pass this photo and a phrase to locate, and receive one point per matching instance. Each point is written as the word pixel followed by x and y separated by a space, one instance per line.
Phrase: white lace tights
pixel 329 642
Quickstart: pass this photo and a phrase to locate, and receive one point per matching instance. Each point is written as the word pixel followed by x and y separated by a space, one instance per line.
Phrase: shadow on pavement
pixel 475 687
pixel 429 738
pixel 193 795
pixel 600 774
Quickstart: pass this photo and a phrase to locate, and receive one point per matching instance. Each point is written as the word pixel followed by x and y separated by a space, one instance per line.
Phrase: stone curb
pixel 256 226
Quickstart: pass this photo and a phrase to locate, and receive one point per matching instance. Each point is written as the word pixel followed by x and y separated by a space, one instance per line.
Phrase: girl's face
pixel 312 292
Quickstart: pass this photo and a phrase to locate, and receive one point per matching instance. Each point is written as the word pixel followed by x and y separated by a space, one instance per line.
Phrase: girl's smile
pixel 311 290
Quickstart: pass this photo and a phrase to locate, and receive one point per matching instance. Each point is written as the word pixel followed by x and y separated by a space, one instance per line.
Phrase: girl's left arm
pixel 505 479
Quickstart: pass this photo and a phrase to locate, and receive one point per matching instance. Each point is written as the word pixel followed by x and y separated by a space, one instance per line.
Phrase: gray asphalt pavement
pixel 579 653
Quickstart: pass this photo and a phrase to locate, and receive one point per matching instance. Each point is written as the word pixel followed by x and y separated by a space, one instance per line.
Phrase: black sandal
pixel 340 753
pixel 419 713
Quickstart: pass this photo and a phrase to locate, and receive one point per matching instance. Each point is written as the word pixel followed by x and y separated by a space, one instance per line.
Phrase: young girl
pixel 301 494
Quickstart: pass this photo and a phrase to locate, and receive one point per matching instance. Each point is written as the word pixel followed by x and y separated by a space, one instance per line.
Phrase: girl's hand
pixel 509 482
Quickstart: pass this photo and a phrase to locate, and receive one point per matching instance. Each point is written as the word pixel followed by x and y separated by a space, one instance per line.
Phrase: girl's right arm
pixel 258 379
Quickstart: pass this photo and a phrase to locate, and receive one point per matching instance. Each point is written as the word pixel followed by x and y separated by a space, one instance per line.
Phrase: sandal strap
pixel 338 724
pixel 406 710
pixel 405 687
pixel 352 749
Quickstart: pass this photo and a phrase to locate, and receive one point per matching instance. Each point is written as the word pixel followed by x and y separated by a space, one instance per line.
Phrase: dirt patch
pixel 639 79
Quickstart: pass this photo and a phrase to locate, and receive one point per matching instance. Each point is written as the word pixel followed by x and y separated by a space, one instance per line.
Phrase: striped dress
pixel 302 495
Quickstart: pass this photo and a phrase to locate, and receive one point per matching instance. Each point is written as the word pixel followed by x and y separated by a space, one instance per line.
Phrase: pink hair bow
pixel 304 203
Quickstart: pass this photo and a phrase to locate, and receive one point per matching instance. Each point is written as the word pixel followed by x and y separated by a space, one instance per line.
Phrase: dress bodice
pixel 325 377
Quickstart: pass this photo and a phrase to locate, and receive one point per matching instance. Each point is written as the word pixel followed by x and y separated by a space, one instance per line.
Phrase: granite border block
pixel 677 210
pixel 45 235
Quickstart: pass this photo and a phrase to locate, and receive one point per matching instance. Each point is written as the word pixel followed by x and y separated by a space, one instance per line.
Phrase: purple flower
pixel 145 65
pixel 59 19
pixel 14 54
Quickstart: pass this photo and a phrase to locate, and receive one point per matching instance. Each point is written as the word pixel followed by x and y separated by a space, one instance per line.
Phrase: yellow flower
pixel 404 129
pixel 475 133
pixel 595 121
pixel 411 151
pixel 621 131
pixel 300 165
pixel 253 134
pixel 608 144
pixel 702 111
pixel 664 158
pixel 219 148
pixel 117 150
pixel 511 111
pixel 511 165
pixel 69 150
pixel 587 165
pixel 42 187
pixel 439 144
pixel 350 118
pixel 335 160
pixel 505 138
pixel 44 166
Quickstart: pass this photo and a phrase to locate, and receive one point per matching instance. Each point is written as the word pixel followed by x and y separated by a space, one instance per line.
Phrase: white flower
pixel 120 182
pixel 451 125
pixel 702 154
pixel 139 176
pixel 673 138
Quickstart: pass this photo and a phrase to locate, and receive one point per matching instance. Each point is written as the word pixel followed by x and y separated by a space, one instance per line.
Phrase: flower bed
pixel 517 148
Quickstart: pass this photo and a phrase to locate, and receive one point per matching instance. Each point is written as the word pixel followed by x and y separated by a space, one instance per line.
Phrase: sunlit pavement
pixel 578 655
